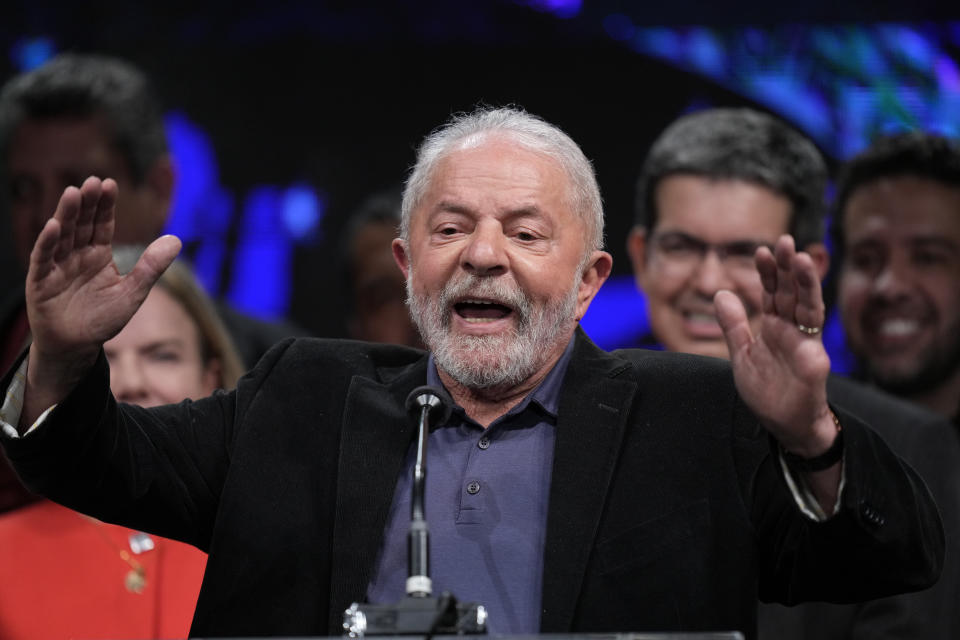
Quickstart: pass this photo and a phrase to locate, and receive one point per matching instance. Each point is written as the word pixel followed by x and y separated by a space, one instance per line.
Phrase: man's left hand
pixel 781 372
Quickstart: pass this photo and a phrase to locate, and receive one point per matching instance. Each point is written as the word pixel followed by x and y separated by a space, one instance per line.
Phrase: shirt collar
pixel 546 394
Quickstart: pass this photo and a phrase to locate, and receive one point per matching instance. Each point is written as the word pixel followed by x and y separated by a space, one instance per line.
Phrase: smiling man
pixel 898 230
pixel 716 186
pixel 572 490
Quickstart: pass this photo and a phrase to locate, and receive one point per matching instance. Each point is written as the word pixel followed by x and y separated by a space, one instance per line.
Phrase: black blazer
pixel 929 443
pixel 667 509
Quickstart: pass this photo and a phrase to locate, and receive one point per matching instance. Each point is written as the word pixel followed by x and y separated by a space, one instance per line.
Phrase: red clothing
pixel 62 576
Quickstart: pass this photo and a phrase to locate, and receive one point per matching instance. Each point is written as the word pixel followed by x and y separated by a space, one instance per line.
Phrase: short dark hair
pixel 915 153
pixel 81 86
pixel 740 144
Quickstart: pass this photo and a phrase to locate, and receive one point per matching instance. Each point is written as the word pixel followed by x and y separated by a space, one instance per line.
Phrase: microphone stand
pixel 419 584
pixel 419 613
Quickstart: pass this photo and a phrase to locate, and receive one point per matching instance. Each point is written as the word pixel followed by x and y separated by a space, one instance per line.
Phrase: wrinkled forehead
pixel 526 163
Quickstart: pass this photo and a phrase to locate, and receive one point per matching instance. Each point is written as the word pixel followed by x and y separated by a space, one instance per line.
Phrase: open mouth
pixel 480 311
pixel 894 334
pixel 700 318
pixel 897 328
pixel 701 326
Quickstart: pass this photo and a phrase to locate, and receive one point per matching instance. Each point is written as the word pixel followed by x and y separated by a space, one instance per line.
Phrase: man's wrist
pixel 806 462
pixel 49 381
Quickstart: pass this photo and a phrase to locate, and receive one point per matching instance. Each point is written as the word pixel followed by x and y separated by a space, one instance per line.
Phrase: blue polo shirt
pixel 486 504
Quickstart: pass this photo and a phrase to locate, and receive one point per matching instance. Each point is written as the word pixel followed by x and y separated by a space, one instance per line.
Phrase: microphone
pixel 419 613
pixel 425 403
pixel 437 400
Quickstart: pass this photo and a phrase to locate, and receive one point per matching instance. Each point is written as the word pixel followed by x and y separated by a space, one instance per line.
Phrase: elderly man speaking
pixel 571 489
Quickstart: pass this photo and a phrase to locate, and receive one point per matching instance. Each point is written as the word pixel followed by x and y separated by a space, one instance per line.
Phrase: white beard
pixel 483 362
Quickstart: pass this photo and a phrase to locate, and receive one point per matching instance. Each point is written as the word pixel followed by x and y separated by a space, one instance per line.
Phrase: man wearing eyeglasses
pixel 715 186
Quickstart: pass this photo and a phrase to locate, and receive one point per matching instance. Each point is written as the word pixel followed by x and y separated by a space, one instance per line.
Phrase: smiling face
pixel 706 233
pixel 498 272
pixel 900 282
pixel 157 359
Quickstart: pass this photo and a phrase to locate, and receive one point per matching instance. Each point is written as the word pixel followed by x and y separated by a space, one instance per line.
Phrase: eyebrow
pixel 161 344
pixel 913 241
pixel 934 240
pixel 452 207
pixel 676 233
pixel 156 344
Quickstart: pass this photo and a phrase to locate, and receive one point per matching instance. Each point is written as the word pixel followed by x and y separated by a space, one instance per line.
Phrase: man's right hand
pixel 76 298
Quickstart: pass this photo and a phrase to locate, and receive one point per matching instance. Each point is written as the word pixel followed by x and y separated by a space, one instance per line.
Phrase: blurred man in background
pixel 83 115
pixel 74 117
pixel 897 231
pixel 715 186
pixel 77 116
pixel 375 291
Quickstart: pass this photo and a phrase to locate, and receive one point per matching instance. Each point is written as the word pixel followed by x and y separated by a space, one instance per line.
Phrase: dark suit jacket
pixel 929 443
pixel 667 508
pixel 13 494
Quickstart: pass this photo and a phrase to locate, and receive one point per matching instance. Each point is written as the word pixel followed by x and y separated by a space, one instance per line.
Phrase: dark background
pixel 338 94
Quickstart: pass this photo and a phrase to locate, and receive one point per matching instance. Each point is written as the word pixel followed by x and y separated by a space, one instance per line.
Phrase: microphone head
pixel 439 401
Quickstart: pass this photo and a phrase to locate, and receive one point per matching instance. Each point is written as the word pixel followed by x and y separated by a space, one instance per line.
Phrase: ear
pixel 594 275
pixel 821 257
pixel 637 250
pixel 401 256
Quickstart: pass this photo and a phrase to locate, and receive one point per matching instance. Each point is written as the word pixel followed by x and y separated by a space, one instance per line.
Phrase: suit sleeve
pixel 886 537
pixel 159 470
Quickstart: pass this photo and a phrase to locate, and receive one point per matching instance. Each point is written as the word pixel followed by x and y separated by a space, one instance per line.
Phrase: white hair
pixel 468 130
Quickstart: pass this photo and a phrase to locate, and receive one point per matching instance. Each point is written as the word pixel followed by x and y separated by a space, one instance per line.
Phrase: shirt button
pixel 473 488
pixel 484 442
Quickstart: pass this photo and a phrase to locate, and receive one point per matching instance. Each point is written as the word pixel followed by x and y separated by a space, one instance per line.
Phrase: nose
pixel 710 275
pixel 894 280
pixel 485 253
pixel 127 380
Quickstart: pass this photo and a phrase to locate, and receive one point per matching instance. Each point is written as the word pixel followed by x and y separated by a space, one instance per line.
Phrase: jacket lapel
pixel 590 427
pixel 376 435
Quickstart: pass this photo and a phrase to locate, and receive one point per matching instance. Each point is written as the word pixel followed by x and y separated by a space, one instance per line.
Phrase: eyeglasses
pixel 682 251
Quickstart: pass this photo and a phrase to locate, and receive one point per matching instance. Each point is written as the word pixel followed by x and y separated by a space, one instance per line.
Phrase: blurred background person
pixel 375 291
pixel 83 115
pixel 897 232
pixel 77 116
pixel 65 575
pixel 715 186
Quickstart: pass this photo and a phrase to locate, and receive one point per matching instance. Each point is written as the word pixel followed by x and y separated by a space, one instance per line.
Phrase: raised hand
pixel 781 372
pixel 76 298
